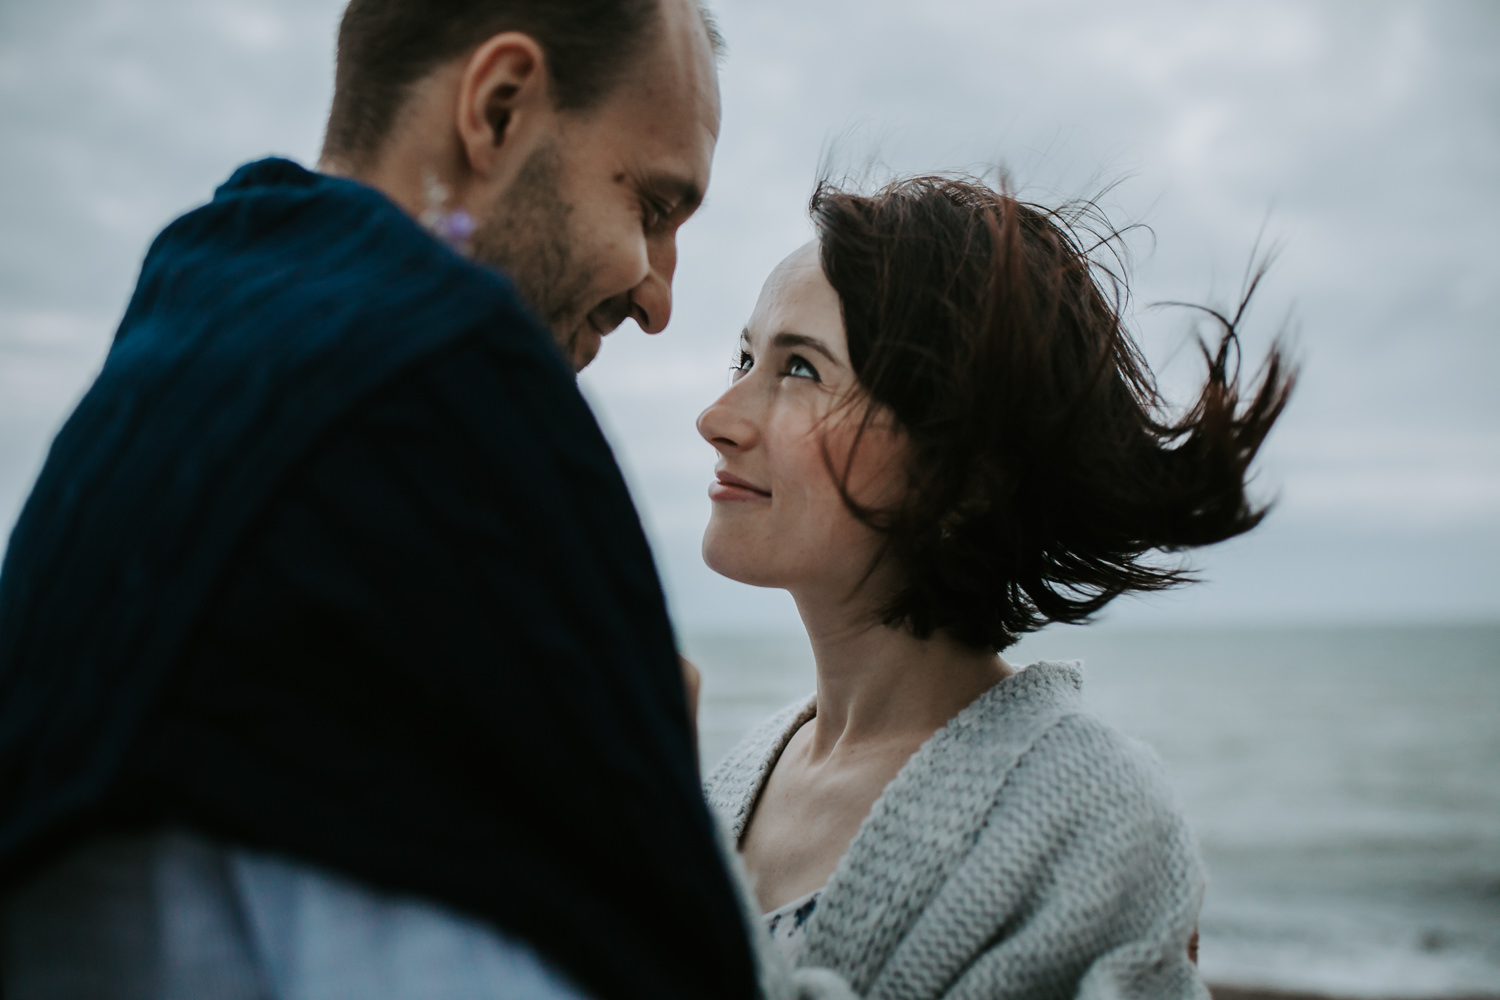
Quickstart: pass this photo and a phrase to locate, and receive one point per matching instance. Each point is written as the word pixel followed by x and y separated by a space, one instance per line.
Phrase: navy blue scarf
pixel 332 560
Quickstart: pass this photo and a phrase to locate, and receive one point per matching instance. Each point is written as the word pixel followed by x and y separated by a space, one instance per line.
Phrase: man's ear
pixel 504 101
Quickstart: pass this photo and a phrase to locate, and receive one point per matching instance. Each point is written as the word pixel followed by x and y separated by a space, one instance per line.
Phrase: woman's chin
pixel 740 563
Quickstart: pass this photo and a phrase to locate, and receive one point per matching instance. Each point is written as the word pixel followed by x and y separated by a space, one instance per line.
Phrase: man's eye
pixel 652 214
pixel 799 367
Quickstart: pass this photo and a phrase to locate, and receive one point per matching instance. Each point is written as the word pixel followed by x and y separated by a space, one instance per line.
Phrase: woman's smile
pixel 729 488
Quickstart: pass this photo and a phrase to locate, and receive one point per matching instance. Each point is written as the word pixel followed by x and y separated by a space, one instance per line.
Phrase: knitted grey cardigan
pixel 1026 850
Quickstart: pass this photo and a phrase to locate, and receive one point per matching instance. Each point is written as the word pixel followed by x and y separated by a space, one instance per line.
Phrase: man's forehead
pixel 677 77
pixel 668 119
pixel 668 156
pixel 661 121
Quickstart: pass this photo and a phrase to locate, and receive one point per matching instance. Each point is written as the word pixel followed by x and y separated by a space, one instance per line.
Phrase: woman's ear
pixel 504 102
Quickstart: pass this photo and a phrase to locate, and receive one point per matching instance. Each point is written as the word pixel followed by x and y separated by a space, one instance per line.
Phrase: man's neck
pixel 421 147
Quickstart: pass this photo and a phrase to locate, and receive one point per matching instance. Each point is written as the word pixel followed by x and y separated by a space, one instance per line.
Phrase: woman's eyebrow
pixel 787 340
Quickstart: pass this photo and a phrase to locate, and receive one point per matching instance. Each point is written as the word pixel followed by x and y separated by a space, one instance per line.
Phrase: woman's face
pixel 778 519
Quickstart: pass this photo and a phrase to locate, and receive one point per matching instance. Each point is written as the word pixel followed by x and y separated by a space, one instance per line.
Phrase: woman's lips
pixel 732 488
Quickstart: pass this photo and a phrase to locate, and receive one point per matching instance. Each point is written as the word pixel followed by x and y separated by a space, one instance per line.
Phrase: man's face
pixel 588 229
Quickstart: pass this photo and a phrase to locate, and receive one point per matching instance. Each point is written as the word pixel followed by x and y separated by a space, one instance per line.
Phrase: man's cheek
pixel 626 257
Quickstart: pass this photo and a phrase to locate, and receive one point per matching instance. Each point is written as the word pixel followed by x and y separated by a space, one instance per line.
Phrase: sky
pixel 1362 139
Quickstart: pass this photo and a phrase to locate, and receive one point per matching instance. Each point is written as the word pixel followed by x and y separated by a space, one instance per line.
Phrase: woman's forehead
pixel 798 298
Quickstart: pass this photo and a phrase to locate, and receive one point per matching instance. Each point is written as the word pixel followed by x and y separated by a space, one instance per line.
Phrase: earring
pixel 454 228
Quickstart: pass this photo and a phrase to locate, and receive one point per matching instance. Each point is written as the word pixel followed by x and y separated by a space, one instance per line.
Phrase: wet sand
pixel 1237 993
pixel 1241 993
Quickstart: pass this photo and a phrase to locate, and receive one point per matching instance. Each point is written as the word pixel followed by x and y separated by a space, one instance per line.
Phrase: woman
pixel 940 436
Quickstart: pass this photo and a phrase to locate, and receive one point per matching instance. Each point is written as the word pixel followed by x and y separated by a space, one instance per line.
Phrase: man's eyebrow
pixel 786 340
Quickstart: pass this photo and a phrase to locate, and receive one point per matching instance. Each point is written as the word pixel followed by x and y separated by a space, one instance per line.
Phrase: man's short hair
pixel 386 46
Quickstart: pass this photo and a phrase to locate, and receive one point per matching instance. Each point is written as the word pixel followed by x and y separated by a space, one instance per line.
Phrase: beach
pixel 1239 993
pixel 1341 781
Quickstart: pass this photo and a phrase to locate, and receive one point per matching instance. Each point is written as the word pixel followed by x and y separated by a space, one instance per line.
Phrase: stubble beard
pixel 528 235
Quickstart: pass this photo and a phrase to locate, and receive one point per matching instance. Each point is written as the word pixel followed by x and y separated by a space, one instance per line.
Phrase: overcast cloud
pixel 1367 133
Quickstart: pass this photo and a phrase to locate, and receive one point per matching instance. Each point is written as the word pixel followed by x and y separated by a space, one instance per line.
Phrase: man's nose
pixel 651 300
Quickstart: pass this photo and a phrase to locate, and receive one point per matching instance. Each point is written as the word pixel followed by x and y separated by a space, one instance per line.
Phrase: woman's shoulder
pixel 1072 758
pixel 1084 777
pixel 1081 748
pixel 732 786
pixel 1077 845
pixel 1086 806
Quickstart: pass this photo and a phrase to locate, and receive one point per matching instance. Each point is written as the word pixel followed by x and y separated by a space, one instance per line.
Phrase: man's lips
pixel 729 487
pixel 589 337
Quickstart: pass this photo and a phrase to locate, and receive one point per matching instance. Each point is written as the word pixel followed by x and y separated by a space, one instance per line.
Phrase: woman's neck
pixel 878 684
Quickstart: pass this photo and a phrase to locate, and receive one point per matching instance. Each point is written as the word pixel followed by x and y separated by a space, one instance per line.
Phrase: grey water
pixel 1344 784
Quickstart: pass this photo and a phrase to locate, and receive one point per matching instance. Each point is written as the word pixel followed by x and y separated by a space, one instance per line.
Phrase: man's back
pixel 333 562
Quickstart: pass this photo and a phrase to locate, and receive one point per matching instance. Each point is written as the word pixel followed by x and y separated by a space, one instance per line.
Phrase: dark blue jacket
pixel 332 560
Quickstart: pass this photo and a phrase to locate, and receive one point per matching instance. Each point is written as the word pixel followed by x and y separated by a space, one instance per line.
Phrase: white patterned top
pixel 174 914
pixel 787 923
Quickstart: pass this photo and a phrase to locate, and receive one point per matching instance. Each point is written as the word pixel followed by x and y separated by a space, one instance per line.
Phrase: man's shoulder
pixel 261 322
pixel 285 255
pixel 283 306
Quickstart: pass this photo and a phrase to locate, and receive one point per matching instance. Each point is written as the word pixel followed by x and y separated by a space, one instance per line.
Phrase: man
pixel 332 657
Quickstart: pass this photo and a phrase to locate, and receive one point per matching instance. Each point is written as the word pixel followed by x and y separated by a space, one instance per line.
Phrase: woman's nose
pixel 725 426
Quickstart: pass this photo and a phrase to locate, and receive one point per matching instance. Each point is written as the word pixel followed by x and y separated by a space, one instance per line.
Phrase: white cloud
pixel 1367 129
pixel 1339 122
pixel 253 27
pixel 45 358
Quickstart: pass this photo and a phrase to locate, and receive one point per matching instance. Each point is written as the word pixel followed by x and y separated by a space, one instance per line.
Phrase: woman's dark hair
pixel 1045 466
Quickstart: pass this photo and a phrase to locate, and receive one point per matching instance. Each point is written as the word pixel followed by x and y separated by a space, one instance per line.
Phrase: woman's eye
pixel 799 367
pixel 742 363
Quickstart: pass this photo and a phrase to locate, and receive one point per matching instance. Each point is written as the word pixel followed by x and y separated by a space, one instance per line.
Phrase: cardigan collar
pixel 928 817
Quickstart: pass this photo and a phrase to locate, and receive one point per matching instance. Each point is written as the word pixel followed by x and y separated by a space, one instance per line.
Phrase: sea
pixel 1344 784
